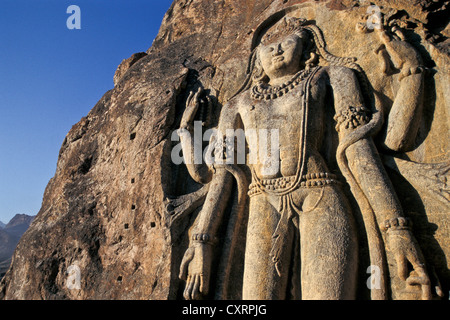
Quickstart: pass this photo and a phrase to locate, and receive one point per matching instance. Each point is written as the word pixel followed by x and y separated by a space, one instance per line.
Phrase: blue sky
pixel 50 77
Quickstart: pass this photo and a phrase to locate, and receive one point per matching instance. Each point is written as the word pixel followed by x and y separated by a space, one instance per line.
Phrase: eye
pixel 288 42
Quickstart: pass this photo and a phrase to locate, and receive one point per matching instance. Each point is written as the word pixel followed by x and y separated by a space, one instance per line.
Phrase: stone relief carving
pixel 293 207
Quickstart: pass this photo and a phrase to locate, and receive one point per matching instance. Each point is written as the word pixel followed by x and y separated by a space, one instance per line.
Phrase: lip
pixel 278 59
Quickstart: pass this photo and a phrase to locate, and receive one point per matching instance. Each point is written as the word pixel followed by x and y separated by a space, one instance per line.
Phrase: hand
pixel 195 269
pixel 405 248
pixel 402 54
pixel 192 104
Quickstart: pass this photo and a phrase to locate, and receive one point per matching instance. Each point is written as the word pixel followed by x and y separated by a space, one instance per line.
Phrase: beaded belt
pixel 307 181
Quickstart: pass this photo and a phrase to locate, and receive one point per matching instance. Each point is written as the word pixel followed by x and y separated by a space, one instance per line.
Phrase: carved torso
pixel 286 114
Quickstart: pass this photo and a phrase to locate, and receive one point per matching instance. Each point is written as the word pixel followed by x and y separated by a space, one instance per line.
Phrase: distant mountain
pixel 2 225
pixel 18 224
pixel 8 243
pixel 9 237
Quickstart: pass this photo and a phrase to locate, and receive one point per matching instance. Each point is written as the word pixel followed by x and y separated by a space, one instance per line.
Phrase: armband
pixel 352 117
pixel 397 224
pixel 204 238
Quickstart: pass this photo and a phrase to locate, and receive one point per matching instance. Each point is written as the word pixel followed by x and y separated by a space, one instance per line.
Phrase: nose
pixel 277 50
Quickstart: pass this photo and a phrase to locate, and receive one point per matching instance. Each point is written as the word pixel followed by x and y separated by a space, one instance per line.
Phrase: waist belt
pixel 310 180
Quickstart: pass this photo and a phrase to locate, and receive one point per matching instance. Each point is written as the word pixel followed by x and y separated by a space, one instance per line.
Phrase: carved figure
pixel 301 239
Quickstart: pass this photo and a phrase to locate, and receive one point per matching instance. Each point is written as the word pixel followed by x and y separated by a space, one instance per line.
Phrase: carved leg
pixel 328 246
pixel 261 281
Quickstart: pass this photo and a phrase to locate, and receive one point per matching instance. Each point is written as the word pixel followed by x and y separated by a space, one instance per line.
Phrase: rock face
pixel 105 211
pixel 127 64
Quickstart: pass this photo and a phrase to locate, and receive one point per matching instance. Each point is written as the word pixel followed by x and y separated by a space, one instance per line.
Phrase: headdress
pixel 287 26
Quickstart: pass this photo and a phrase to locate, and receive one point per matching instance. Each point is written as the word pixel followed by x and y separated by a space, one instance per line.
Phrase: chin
pixel 277 66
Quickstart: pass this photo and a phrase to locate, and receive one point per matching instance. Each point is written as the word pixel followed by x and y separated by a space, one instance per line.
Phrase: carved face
pixel 281 57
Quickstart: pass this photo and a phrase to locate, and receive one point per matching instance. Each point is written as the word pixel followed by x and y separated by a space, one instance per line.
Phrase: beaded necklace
pixel 263 91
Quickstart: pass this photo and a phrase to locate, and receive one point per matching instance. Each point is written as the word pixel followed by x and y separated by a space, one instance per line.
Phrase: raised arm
pixel 192 141
pixel 403 120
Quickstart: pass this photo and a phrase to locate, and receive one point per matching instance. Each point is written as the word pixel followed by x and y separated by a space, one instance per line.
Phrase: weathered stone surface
pixel 127 64
pixel 105 210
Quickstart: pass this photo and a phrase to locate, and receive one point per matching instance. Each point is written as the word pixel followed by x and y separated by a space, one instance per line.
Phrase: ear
pixel 312 60
pixel 285 23
pixel 258 73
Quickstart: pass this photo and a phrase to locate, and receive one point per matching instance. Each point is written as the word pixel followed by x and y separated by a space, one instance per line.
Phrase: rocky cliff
pixel 104 210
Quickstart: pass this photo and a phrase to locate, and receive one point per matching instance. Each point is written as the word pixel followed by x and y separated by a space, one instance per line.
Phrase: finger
pixel 420 277
pixel 418 280
pixel 185 263
pixel 208 110
pixel 188 289
pixel 185 292
pixel 416 259
pixel 197 95
pixel 402 267
pixel 436 282
pixel 204 284
pixel 195 288
pixel 188 101
pixel 439 291
pixel 398 33
pixel 396 37
pixel 423 282
pixel 426 292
